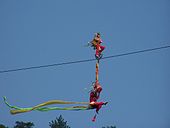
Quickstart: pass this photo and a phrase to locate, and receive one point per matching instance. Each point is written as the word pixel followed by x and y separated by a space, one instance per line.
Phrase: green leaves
pixel 58 123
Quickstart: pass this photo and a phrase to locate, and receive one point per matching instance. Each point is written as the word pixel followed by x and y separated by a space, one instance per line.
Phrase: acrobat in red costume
pixel 94 96
pixel 95 93
pixel 96 44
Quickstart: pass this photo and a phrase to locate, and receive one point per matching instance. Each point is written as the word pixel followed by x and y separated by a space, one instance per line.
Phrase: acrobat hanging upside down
pixel 94 96
pixel 95 92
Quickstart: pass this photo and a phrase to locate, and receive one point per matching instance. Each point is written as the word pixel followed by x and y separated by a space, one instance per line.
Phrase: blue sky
pixel 44 32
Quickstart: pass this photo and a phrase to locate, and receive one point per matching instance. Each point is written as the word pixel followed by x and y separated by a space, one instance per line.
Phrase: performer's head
pixel 97 34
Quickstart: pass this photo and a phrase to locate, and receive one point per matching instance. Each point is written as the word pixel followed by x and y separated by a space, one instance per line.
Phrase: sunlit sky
pixel 40 32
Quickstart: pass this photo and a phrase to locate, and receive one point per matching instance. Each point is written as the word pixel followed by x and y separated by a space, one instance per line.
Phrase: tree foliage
pixel 21 124
pixel 58 123
pixel 3 126
pixel 109 127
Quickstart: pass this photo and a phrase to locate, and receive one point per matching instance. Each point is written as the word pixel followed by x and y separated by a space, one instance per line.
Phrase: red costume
pixel 99 49
pixel 95 93
pixel 93 96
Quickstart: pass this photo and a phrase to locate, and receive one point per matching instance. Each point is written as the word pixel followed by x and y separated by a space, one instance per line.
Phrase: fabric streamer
pixel 40 107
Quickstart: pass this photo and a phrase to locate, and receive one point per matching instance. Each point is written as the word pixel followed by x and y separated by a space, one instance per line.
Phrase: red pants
pixel 99 49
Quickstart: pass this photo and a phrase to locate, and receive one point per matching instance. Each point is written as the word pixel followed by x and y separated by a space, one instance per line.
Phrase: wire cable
pixel 82 61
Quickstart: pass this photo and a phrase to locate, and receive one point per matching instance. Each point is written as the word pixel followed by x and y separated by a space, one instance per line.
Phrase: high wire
pixel 81 61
